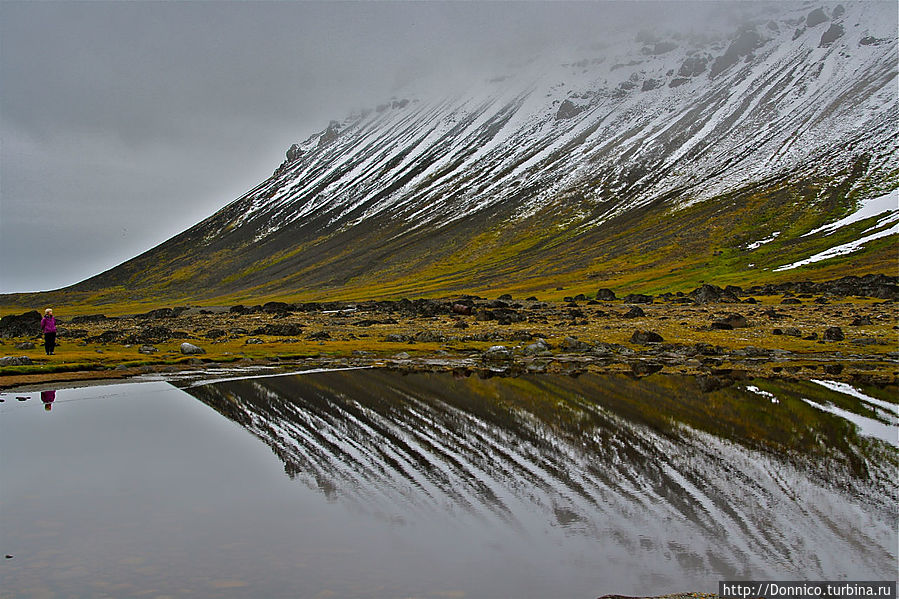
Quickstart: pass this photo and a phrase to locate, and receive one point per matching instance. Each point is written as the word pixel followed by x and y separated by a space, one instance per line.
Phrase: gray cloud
pixel 125 123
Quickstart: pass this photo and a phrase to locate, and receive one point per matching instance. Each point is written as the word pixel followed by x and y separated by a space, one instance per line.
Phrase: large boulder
pixel 22 325
pixel 15 361
pixel 189 349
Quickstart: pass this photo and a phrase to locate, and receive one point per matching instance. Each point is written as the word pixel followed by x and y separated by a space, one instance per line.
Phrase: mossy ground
pixel 866 351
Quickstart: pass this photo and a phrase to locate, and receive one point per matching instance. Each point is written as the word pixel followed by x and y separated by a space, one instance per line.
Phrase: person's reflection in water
pixel 48 397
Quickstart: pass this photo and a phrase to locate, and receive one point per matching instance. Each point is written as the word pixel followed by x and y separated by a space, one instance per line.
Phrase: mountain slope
pixel 653 159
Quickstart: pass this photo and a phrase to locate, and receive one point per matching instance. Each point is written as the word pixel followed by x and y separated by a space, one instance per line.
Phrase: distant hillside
pixel 653 160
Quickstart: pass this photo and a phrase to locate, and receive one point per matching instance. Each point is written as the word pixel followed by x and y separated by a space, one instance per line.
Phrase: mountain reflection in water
pixel 749 480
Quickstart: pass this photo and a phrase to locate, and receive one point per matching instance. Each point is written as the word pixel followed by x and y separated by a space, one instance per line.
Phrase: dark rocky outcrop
pixel 833 33
pixel 816 17
pixel 873 285
pixel 150 335
pixel 605 295
pixel 568 110
pixel 22 325
pixel 693 66
pixel 294 153
pixel 745 44
pixel 163 313
pixel 286 329
pixel 637 298
pixel 712 293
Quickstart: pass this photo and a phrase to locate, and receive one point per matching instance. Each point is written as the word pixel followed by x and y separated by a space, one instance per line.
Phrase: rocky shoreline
pixel 843 330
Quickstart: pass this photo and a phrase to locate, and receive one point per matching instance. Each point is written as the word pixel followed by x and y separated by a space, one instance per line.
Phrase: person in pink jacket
pixel 48 328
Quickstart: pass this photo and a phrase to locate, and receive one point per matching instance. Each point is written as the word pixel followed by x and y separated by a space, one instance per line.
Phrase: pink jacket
pixel 48 324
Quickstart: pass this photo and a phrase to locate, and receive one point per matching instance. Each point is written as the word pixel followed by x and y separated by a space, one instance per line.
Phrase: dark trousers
pixel 49 342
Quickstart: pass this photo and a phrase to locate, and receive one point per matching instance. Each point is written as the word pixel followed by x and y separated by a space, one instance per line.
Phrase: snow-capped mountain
pixel 742 145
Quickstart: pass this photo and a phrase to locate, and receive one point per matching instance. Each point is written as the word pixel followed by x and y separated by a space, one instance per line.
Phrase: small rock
pixel 861 321
pixel 634 312
pixel 25 345
pixel 147 349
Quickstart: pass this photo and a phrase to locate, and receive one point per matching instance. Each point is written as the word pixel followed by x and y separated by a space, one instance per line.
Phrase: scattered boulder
pixel 574 344
pixel 461 309
pixel 189 349
pixel 540 346
pixel 319 336
pixel 25 345
pixel 646 337
pixel 834 334
pixel 605 295
pixel 731 321
pixel 147 349
pixel 637 298
pixel 634 312
pixel 861 321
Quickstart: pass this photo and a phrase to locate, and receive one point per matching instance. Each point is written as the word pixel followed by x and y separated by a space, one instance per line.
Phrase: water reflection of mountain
pixel 739 482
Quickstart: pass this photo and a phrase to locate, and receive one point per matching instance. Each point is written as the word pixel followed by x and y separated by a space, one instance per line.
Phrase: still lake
pixel 371 483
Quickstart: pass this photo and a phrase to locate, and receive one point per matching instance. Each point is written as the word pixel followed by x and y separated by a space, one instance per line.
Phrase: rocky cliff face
pixel 580 165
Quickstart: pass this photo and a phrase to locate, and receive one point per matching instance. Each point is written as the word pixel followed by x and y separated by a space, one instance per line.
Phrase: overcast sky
pixel 124 123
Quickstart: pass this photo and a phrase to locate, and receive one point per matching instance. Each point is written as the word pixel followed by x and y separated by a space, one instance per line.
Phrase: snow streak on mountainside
pixel 679 116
